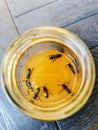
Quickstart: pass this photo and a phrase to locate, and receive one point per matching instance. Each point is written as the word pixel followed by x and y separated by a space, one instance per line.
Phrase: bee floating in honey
pixel 28 84
pixel 72 68
pixel 45 92
pixel 77 65
pixel 65 87
pixel 36 93
pixel 76 62
pixel 27 81
pixel 28 72
pixel 53 57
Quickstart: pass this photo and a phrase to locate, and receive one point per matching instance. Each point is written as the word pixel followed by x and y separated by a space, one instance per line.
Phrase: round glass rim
pixel 78 102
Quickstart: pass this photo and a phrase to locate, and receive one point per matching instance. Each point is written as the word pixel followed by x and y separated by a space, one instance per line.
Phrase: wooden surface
pixel 80 17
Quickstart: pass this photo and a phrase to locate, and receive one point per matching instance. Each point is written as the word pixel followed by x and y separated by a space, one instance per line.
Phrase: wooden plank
pixel 8 30
pixel 94 52
pixel 87 30
pixel 59 13
pixel 19 7
pixel 7 33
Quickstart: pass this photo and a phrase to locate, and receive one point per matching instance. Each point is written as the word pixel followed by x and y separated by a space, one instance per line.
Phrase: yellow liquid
pixel 50 73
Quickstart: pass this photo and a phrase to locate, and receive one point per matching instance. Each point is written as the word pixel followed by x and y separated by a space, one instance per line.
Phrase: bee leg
pixel 31 101
pixel 72 94
pixel 52 61
pixel 28 91
pixel 61 91
pixel 50 92
pixel 39 99
pixel 32 69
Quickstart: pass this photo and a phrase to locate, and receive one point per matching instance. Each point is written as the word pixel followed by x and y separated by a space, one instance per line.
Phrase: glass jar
pixel 37 40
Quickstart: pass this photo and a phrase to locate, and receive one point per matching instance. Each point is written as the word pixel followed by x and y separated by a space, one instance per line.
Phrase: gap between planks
pixel 12 18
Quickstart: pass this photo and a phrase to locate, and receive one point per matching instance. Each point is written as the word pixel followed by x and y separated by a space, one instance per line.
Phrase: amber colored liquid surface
pixel 52 74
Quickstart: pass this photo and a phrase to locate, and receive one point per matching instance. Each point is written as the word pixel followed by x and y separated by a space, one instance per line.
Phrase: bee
pixel 76 62
pixel 31 88
pixel 77 65
pixel 72 68
pixel 53 57
pixel 36 93
pixel 60 49
pixel 28 73
pixel 65 87
pixel 45 92
pixel 31 101
pixel 28 83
